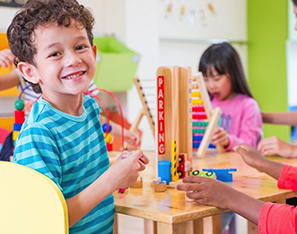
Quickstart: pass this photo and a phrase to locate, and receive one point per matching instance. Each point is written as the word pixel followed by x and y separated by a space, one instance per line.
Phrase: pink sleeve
pixel 277 218
pixel 250 127
pixel 288 178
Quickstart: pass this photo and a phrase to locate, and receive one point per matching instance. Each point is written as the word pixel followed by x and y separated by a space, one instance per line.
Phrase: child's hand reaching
pixel 132 138
pixel 207 191
pixel 255 159
pixel 251 156
pixel 220 137
pixel 125 171
pixel 275 146
pixel 6 58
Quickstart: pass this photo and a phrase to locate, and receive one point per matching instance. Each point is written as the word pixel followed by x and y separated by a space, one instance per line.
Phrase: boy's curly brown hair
pixel 34 13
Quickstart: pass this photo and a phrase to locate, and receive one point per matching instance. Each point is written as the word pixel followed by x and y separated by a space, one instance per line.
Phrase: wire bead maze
pixel 107 127
pixel 19 115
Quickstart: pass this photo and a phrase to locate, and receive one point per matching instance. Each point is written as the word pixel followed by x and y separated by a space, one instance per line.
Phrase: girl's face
pixel 219 86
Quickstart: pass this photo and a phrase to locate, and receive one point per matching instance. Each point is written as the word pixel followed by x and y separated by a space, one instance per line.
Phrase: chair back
pixel 30 203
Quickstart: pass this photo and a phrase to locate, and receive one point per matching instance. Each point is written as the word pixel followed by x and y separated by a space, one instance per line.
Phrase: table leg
pixel 150 226
pixel 115 224
pixel 178 228
pixel 216 224
pixel 198 226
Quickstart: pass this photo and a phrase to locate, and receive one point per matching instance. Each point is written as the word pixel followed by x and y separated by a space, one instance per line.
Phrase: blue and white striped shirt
pixel 71 151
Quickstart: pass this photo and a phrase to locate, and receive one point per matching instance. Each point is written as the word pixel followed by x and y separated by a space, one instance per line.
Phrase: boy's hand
pixel 220 137
pixel 125 170
pixel 132 138
pixel 207 191
pixel 6 58
pixel 275 146
pixel 251 156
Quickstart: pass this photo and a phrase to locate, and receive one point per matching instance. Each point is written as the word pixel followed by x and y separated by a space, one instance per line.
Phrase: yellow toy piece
pixel 30 202
pixel 108 137
pixel 174 173
pixel 15 135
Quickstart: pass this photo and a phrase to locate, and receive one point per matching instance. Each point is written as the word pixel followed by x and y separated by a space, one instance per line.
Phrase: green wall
pixel 267 67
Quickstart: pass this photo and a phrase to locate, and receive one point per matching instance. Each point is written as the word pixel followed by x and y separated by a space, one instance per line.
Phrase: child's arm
pixel 123 173
pixel 285 118
pixel 271 218
pixel 11 79
pixel 255 159
pixel 207 191
pixel 275 146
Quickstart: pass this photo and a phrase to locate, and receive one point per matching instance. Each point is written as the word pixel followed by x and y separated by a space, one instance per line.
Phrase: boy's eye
pixel 81 47
pixel 55 54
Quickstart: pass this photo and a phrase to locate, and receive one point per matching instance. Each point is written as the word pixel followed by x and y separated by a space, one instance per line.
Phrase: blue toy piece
pixel 222 174
pixel 104 128
pixel 164 171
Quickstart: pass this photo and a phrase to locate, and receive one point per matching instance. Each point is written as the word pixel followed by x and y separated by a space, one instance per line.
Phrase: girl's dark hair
pixel 295 2
pixel 224 59
pixel 34 13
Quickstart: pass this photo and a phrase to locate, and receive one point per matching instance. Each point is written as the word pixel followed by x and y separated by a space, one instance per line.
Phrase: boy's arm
pixel 285 118
pixel 107 183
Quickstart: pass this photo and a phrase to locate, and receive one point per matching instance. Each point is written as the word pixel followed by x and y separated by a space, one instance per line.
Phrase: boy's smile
pixel 64 65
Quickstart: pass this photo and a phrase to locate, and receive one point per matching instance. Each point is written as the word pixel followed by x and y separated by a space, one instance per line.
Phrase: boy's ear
pixel 94 49
pixel 29 72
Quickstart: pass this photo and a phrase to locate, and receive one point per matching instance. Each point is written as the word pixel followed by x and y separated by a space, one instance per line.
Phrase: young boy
pixel 14 78
pixel 62 136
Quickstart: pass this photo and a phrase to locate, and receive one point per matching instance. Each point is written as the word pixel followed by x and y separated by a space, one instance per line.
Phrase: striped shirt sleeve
pixel 37 149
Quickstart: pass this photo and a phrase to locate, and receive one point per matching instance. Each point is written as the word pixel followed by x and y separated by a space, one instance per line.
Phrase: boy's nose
pixel 72 59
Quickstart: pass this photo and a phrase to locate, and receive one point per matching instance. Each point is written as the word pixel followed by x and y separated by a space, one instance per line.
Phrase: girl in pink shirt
pixel 241 120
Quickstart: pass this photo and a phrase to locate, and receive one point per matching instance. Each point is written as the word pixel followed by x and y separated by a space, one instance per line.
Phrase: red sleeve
pixel 277 218
pixel 288 178
pixel 280 218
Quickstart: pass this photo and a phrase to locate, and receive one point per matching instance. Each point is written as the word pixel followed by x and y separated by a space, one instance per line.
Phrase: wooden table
pixel 171 211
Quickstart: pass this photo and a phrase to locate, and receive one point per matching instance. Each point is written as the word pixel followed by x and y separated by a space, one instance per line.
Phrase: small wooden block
pixel 159 187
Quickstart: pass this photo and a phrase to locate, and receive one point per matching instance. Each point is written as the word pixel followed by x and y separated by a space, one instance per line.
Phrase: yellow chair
pixel 30 203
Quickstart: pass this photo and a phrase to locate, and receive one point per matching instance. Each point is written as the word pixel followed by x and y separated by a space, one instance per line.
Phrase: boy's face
pixel 64 62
